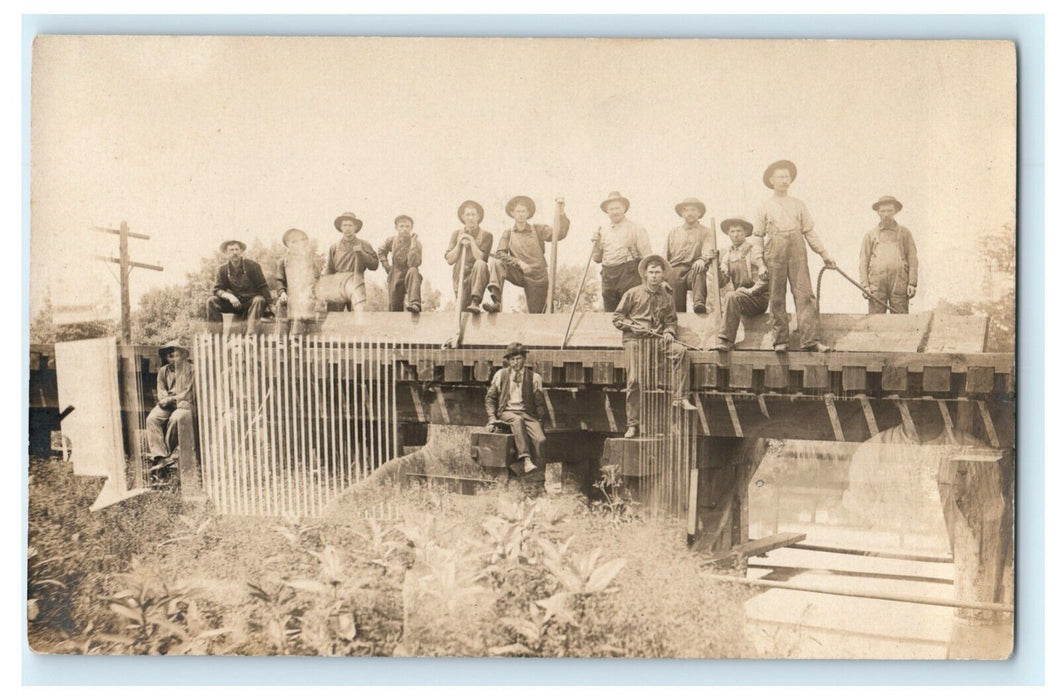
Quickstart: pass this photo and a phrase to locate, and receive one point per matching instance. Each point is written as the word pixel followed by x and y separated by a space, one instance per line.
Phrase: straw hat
pixel 521 199
pixel 789 166
pixel 650 260
pixel 357 223
pixel 292 234
pixel 692 201
pixel 728 223
pixel 470 203
pixel 614 197
pixel 888 199
pixel 163 351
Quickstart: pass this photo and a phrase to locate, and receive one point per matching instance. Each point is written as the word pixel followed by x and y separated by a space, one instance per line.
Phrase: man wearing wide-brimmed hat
pixel 473 244
pixel 645 316
pixel 889 265
pixel 516 398
pixel 685 255
pixel 402 275
pixel 295 268
pixel 347 259
pixel 519 257
pixel 742 265
pixel 240 288
pixel 618 248
pixel 786 225
pixel 171 421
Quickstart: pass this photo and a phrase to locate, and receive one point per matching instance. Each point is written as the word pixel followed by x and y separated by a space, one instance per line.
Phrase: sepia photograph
pixel 522 347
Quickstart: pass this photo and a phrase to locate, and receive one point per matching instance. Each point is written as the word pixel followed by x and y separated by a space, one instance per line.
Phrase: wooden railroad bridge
pixel 927 374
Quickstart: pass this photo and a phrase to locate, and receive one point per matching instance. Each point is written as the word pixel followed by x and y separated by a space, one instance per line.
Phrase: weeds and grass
pixel 497 574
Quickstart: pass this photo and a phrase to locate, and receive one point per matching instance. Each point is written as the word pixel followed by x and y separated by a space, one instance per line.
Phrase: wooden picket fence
pixel 286 423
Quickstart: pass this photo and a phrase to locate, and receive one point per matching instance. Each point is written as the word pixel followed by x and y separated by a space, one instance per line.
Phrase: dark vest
pixel 528 399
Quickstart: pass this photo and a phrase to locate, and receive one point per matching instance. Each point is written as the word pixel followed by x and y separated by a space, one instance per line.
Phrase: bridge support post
pixel 725 468
pixel 977 498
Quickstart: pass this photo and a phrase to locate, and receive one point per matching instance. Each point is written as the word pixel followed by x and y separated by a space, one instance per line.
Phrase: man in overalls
pixel 519 257
pixel 744 266
pixel 889 267
pixel 786 225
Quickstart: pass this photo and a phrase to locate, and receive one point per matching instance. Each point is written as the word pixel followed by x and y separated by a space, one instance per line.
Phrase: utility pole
pixel 126 266
pixel 133 410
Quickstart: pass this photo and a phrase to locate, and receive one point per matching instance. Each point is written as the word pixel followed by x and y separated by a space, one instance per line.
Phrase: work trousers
pixel 683 279
pixel 536 289
pixel 786 260
pixel 736 306
pixel 616 280
pixel 648 361
pixel 251 310
pixel 166 428
pixel 890 285
pixel 401 282
pixel 528 434
pixel 474 283
pixel 343 291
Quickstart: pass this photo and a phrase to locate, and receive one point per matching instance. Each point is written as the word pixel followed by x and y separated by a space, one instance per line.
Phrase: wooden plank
pixel 937 379
pixel 816 377
pixel 483 369
pixel 546 370
pixel 894 378
pixel 424 370
pixel 603 373
pixel 979 380
pixel 776 377
pixel 960 334
pixel 704 375
pixel 741 376
pixel 573 373
pixel 763 545
pixel 854 378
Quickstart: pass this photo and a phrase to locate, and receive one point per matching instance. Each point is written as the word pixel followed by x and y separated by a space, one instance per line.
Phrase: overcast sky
pixel 193 140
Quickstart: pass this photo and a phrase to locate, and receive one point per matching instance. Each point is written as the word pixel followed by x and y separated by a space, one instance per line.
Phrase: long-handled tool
pixel 577 298
pixel 455 340
pixel 820 278
pixel 549 306
pixel 632 326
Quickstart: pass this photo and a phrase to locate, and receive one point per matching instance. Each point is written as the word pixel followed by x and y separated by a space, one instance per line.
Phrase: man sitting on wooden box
pixel 516 399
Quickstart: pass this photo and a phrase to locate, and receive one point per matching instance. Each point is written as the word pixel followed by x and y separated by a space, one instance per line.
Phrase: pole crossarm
pixel 145 266
pixel 116 232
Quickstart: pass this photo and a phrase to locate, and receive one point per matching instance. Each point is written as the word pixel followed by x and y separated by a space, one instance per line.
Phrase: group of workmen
pixel 644 290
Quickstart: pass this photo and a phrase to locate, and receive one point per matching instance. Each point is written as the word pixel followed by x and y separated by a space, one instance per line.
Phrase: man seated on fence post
pixel 519 257
pixel 240 288
pixel 685 255
pixel 171 421
pixel 743 265
pixel 299 257
pixel 347 259
pixel 644 313
pixel 473 244
pixel 402 275
pixel 516 398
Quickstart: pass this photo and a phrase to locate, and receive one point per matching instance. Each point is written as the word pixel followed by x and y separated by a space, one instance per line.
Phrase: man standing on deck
pixel 786 225
pixel 619 248
pixel 402 275
pixel 347 259
pixel 516 398
pixel 644 313
pixel 240 288
pixel 519 257
pixel 477 242
pixel 686 257
pixel 889 266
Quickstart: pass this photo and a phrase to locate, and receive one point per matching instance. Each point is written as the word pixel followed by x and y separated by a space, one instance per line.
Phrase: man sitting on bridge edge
pixel 516 398
pixel 240 288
